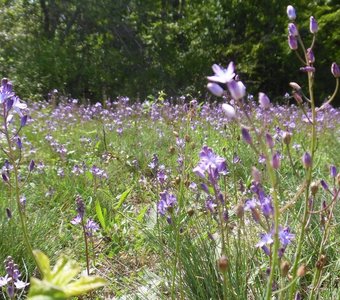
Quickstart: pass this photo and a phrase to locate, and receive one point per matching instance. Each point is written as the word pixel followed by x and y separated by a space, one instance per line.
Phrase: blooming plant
pixel 276 238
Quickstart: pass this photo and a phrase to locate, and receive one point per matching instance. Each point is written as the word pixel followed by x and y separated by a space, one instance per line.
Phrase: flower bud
pixel 276 161
pixel 301 271
pixel 246 135
pixel 291 13
pixel 286 137
pixel 23 121
pixel 295 86
pixel 335 70
pixel 297 296
pixel 324 185
pixel 236 89
pixel 215 89
pixel 310 55
pixel 19 143
pixel 292 42
pixel 269 141
pixel 31 165
pixel 229 111
pixel 314 187
pixel 332 170
pixel 306 160
pixel 307 69
pixel 239 210
pixel 5 177
pixel 292 29
pixel 222 263
pixel 264 101
pixel 321 262
pixel 313 25
pixel 284 267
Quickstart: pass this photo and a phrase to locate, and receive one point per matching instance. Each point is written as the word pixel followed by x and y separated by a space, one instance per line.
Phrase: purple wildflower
pixel 333 171
pixel 285 236
pixel 211 163
pixel 223 75
pixel 313 25
pixel 167 202
pixel 91 227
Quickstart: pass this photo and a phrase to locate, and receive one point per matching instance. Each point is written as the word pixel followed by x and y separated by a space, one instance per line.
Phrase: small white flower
pixel 223 75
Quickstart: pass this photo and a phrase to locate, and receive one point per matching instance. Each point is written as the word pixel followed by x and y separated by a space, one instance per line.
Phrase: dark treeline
pixel 99 49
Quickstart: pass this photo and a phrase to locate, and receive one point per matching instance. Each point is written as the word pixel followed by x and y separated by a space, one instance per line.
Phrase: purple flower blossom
pixel 333 171
pixel 313 25
pixel 215 89
pixel 246 135
pixel 236 89
pixel 223 75
pixel 167 202
pixel 291 13
pixel 211 164
pixel 91 227
pixel 285 236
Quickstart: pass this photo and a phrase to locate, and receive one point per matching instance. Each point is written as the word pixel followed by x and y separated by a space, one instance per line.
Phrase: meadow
pixel 175 198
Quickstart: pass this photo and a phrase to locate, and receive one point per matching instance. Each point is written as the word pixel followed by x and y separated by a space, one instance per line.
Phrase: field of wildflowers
pixel 173 198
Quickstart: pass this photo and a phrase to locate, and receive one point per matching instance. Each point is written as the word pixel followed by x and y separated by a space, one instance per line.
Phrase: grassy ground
pixel 136 249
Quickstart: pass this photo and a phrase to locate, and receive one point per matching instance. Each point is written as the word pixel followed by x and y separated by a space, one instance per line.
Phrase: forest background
pixel 99 49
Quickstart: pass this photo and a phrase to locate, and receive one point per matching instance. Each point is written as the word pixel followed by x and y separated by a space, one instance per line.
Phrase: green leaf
pixel 43 263
pixel 64 271
pixel 60 284
pixel 84 285
pixel 100 215
pixel 43 290
pixel 122 198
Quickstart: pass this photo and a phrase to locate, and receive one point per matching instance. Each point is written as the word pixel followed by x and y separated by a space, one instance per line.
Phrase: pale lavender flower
pixel 285 236
pixel 215 89
pixel 333 171
pixel 246 135
pixel 236 89
pixel 292 29
pixel 313 25
pixel 229 111
pixel 292 42
pixel 223 75
pixel 291 13
pixel 167 202
pixel 335 70
pixel 91 227
pixel 264 101
pixel 266 239
pixel 211 164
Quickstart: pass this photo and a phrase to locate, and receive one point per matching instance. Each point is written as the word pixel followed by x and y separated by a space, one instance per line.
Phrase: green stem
pixel 318 272
pixel 308 182
pixel 86 248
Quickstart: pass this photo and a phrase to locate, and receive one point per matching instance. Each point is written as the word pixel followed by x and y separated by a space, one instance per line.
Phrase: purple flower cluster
pixel 90 226
pixel 12 278
pixel 211 165
pixel 166 203
pixel 285 238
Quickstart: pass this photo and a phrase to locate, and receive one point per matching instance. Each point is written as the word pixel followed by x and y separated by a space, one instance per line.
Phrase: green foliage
pixel 137 48
pixel 59 283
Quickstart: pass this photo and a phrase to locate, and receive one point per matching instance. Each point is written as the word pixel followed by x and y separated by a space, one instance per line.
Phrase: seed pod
pixel 301 271
pixel 239 210
pixel 222 263
pixel 284 267
pixel 314 187
pixel 321 262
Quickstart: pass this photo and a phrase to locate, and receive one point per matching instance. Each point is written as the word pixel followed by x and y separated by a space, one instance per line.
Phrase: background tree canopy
pixel 94 49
